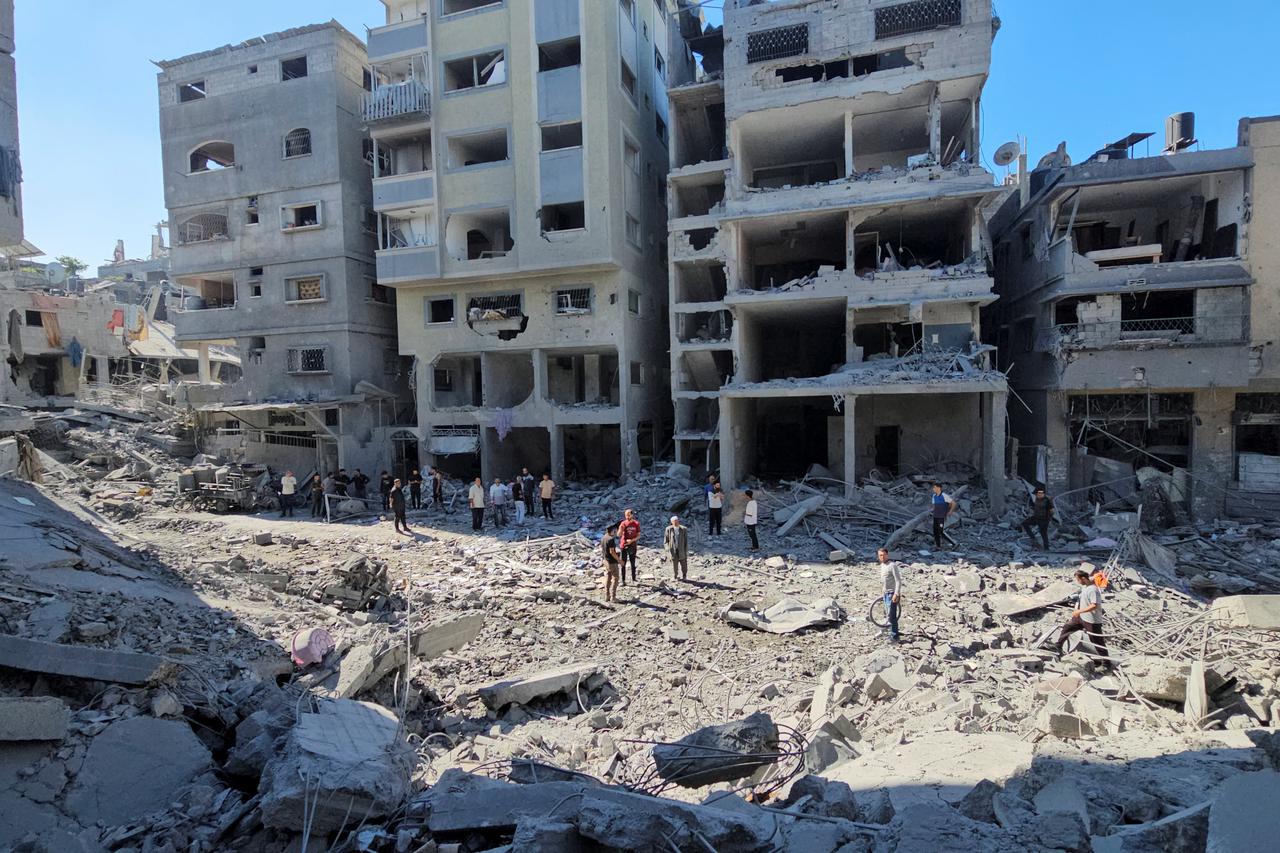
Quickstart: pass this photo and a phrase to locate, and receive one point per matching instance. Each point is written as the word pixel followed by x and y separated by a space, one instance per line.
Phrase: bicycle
pixel 877 615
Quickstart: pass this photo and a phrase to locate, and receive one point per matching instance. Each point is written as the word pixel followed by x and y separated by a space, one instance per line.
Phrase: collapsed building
pixel 828 252
pixel 527 272
pixel 1137 311
pixel 272 239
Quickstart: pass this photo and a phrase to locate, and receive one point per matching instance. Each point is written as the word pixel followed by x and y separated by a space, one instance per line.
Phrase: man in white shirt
pixel 1087 617
pixel 750 518
pixel 715 508
pixel 891 589
pixel 475 500
pixel 288 486
pixel 498 498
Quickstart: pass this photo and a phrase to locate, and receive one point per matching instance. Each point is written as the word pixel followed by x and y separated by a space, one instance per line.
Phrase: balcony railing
pixel 1210 329
pixel 397 100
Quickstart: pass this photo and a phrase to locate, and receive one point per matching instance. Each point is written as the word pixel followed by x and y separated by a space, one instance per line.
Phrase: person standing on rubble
pixel 437 488
pixel 528 489
pixel 1041 515
pixel 340 483
pixel 612 561
pixel 288 485
pixel 1086 617
pixel 396 499
pixel 891 589
pixel 715 510
pixel 475 500
pixel 751 517
pixel 516 490
pixel 676 540
pixel 385 482
pixel 318 488
pixel 360 483
pixel 943 505
pixel 415 489
pixel 547 491
pixel 498 499
pixel 629 531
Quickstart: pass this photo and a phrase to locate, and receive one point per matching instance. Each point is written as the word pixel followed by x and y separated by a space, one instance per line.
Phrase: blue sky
pixel 1088 72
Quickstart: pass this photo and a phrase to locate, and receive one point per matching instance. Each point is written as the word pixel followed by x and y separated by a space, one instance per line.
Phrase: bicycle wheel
pixel 876 614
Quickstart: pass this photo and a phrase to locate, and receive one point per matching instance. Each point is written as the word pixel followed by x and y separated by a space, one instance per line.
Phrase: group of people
pixel 397 496
pixel 511 499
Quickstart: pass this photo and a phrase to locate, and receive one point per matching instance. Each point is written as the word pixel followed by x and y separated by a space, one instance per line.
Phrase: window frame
pixel 198 86
pixel 487 7
pixel 306 68
pixel 299 371
pixel 542 131
pixel 220 168
pixel 289 291
pixel 474 132
pixel 572 311
pixel 639 231
pixel 635 296
pixel 285 144
pixel 476 85
pixel 289 229
pixel 428 301
pixel 623 70
pixel 635 374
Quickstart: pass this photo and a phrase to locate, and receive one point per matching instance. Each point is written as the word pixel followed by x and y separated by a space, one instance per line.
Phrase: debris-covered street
pixel 198 681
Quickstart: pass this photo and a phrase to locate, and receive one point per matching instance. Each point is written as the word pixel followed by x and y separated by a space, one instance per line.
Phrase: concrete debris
pixel 1013 604
pixel 524 689
pixel 1260 612
pixel 720 753
pixel 1244 814
pixel 26 719
pixel 83 661
pixel 1185 831
pixel 785 616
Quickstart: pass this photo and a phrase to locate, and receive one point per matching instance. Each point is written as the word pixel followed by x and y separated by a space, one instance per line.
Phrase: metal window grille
pixel 507 304
pixel 203 226
pixel 307 288
pixel 306 360
pixel 575 300
pixel 297 143
pixel 916 17
pixel 779 43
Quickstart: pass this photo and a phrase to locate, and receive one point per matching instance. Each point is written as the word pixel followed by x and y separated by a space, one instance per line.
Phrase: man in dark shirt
pixel 437 488
pixel 942 505
pixel 629 532
pixel 395 497
pixel 415 489
pixel 360 484
pixel 340 482
pixel 317 496
pixel 384 486
pixel 528 488
pixel 1041 515
pixel 609 550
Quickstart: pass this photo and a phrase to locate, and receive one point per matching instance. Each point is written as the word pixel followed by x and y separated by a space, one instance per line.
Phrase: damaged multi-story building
pixel 1138 314
pixel 520 154
pixel 828 253
pixel 11 233
pixel 271 225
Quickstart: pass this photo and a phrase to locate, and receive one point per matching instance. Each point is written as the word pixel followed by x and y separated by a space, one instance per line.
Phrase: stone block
pixel 525 688
pixel 33 718
pixel 83 661
pixel 720 753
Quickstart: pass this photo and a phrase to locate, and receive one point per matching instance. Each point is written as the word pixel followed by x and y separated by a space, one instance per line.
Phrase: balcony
pixel 398 39
pixel 396 101
pixel 396 192
pixel 408 264
pixel 1147 333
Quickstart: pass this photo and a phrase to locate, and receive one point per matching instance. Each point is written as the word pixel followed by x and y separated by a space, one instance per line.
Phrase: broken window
pixel 474 149
pixel 300 216
pixel 628 81
pixel 306 360
pixel 559 54
pixel 438 310
pixel 916 17
pixel 251 211
pixel 255 283
pixel 213 156
pixel 293 69
pixel 442 379
pixel 559 136
pixel 34 318
pixel 885 61
pixel 191 91
pixel 483 69
pixel 633 230
pixel 637 373
pixel 202 227
pixel 304 288
pixel 479 235
pixel 633 302
pixel 659 65
pixel 660 128
pixel 379 293
pixel 378 156
pixel 631 156
pixel 815 73
pixel 573 300
pixel 498 306
pixel 297 143
pixel 564 217
pixel 777 43
pixel 450 7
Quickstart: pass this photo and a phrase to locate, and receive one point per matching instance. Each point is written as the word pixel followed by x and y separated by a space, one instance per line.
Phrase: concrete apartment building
pixel 828 253
pixel 520 153
pixel 270 211
pixel 10 163
pixel 1139 310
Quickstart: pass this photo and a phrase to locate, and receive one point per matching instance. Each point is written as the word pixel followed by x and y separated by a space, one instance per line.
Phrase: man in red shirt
pixel 629 533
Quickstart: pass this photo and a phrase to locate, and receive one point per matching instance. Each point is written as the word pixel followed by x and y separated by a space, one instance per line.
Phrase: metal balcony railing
pixel 395 100
pixel 1222 328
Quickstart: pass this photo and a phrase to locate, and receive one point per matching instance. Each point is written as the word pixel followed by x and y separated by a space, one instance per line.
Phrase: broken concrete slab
pixel 815 795
pixel 547 836
pixel 1260 612
pixel 977 804
pixel 133 768
pixel 1165 680
pixel 800 511
pixel 786 616
pixel 965 582
pixel 434 640
pixel 83 661
pixel 339 766
pixel 940 829
pixel 1245 814
pixel 51 621
pixel 525 688
pixel 1011 603
pixel 1063 795
pixel 33 718
pixel 720 753
pixel 1184 831
pixel 461 802
pixel 630 821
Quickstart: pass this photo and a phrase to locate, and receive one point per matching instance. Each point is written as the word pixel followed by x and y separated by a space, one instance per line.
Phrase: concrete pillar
pixel 993 428
pixel 539 375
pixel 103 368
pixel 1058 440
pixel 848 145
pixel 935 124
pixel 728 445
pixel 850 444
pixel 1212 451
pixel 202 362
pixel 556 463
pixel 975 131
pixel 591 382
pixel 850 320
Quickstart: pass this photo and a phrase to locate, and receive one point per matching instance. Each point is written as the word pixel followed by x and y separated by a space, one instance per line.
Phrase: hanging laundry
pixel 75 352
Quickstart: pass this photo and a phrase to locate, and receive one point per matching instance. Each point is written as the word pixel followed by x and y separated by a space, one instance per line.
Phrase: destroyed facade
pixel 1137 310
pixel 828 252
pixel 272 249
pixel 519 153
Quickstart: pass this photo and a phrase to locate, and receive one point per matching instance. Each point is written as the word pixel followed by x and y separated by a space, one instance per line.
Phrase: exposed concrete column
pixel 728 445
pixel 994 405
pixel 103 368
pixel 848 145
pixel 850 444
pixel 539 375
pixel 556 463
pixel 975 131
pixel 935 124
pixel 591 379
pixel 850 348
pixel 205 375
pixel 1212 452
pixel 1058 443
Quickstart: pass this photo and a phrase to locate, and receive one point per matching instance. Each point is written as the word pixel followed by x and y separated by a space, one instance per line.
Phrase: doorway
pixel 888 439
pixel 404 454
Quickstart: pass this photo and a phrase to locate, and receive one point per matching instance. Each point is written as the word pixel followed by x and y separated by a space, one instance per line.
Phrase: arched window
pixel 202 227
pixel 297 143
pixel 213 156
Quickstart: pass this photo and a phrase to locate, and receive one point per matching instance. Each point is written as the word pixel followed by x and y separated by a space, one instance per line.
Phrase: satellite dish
pixel 55 272
pixel 1007 153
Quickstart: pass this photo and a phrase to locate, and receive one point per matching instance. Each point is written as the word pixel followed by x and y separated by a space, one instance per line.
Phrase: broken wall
pixel 930 428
